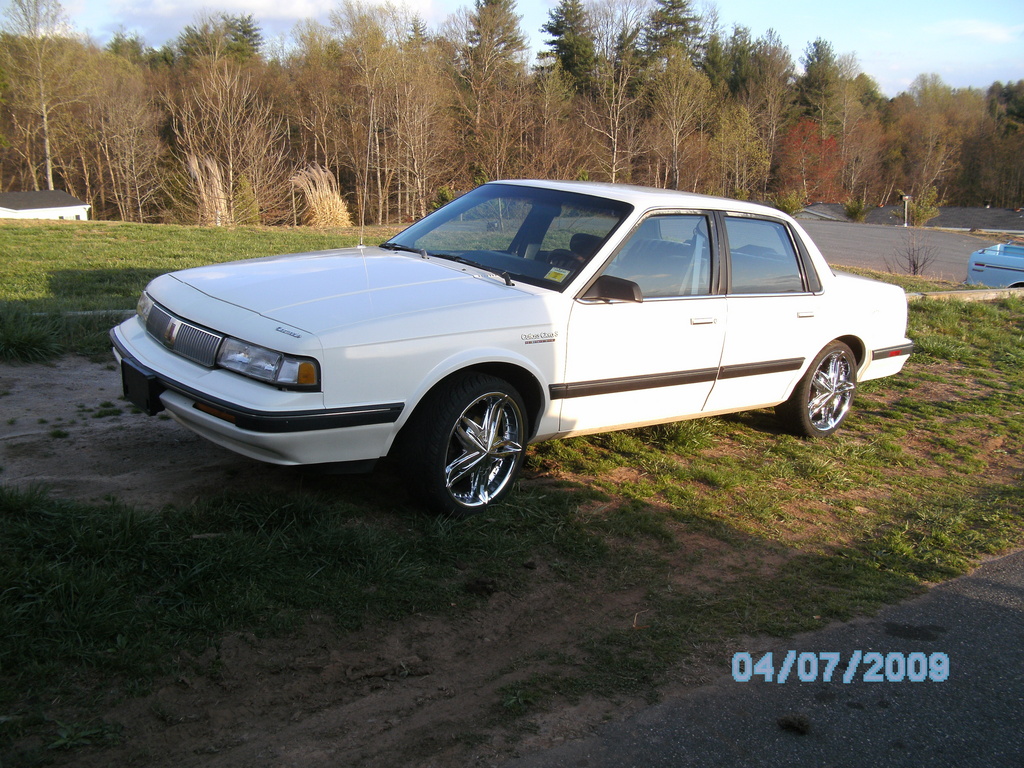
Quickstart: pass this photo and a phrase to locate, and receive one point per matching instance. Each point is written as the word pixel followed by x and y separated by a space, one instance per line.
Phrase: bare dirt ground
pixel 417 693
pixel 422 692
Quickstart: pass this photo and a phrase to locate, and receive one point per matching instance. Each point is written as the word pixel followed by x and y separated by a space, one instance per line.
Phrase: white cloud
pixel 261 10
pixel 162 20
pixel 988 32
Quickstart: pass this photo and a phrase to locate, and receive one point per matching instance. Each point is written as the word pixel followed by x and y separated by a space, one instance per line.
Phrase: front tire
pixel 822 398
pixel 464 446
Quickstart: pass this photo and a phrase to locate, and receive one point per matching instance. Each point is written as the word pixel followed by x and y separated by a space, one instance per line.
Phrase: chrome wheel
pixel 484 449
pixel 832 388
pixel 464 445
pixel 821 399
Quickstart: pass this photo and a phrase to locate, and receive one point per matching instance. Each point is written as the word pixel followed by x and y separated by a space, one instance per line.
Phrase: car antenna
pixel 366 184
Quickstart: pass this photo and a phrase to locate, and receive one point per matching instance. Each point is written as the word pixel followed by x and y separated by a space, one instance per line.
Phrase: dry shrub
pixel 324 206
pixel 211 195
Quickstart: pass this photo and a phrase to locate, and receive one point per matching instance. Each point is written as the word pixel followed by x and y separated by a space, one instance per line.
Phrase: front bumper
pixel 308 436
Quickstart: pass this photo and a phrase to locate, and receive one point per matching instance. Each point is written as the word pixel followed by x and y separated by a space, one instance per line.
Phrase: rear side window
pixel 763 257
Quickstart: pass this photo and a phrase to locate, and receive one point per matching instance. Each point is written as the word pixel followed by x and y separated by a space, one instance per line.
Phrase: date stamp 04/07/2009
pixel 870 667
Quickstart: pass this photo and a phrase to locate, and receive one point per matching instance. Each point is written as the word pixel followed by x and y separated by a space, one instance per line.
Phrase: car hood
pixel 322 291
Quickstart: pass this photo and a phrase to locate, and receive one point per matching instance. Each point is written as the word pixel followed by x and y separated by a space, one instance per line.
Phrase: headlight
pixel 267 365
pixel 144 307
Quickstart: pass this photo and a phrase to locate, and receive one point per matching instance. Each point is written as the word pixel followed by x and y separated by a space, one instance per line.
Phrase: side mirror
pixel 610 288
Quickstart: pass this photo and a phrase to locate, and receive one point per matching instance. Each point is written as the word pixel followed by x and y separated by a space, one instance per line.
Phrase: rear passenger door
pixel 773 297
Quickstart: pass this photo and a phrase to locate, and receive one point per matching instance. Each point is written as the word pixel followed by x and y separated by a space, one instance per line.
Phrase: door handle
pixel 805 314
pixel 703 321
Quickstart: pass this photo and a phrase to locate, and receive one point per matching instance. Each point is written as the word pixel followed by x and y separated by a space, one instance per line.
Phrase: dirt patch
pixel 425 691
pixel 415 693
pixel 66 426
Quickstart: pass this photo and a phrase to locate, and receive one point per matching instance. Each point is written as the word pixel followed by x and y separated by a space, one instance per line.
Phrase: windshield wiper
pixel 399 247
pixel 391 246
pixel 462 260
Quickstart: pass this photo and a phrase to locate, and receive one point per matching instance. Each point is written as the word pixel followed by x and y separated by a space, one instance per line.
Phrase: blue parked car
pixel 999 266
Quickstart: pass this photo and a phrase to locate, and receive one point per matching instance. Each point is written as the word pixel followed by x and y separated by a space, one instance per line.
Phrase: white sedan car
pixel 520 312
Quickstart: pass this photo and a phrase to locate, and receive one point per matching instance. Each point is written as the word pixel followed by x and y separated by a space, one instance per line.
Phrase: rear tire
pixel 464 446
pixel 822 398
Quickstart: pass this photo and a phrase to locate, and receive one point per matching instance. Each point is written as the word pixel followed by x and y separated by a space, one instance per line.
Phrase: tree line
pixel 391 118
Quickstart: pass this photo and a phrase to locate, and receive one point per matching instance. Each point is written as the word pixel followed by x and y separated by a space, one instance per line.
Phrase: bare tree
pixel 769 97
pixel 557 149
pixel 368 37
pixel 680 104
pixel 490 72
pixel 741 155
pixel 130 146
pixel 221 120
pixel 932 122
pixel 615 105
pixel 915 256
pixel 316 80
pixel 40 61
pixel 423 125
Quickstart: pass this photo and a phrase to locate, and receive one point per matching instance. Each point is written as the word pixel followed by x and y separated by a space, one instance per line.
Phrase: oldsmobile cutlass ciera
pixel 519 312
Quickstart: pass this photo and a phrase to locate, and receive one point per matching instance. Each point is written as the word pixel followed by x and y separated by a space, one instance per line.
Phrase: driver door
pixel 632 363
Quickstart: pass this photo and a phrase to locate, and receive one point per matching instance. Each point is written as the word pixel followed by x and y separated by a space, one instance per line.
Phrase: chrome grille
pixel 182 337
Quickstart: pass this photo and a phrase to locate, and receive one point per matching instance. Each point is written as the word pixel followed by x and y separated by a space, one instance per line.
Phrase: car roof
pixel 647 197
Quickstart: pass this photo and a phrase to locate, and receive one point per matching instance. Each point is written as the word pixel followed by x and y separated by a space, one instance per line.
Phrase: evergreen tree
pixel 492 72
pixel 672 24
pixel 125 46
pixel 244 37
pixel 235 37
pixel 714 61
pixel 495 37
pixel 1006 104
pixel 818 87
pixel 740 55
pixel 572 42
pixel 418 34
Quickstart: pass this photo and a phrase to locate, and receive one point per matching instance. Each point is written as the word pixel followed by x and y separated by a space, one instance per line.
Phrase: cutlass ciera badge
pixel 544 337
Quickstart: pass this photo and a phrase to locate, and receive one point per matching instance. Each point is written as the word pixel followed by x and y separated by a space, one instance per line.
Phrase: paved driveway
pixel 972 719
pixel 875 247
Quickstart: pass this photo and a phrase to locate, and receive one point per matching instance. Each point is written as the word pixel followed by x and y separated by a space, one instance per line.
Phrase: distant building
pixel 42 205
pixel 1005 220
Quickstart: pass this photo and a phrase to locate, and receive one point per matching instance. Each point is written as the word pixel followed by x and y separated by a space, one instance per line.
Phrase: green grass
pixel 723 527
pixel 911 283
pixel 104 590
pixel 50 271
pixel 103 265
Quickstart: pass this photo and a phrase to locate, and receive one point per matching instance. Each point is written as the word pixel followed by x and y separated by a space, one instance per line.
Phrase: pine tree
pixel 673 24
pixel 495 36
pixel 572 42
pixel 235 37
pixel 818 87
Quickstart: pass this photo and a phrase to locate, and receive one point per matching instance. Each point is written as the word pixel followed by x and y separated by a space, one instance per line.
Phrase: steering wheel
pixel 565 259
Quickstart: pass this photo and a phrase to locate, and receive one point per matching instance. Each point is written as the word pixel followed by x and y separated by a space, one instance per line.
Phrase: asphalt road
pixel 877 247
pixel 973 718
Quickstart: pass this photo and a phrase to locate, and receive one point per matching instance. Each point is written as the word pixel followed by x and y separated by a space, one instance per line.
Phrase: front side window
pixel 763 259
pixel 540 236
pixel 667 256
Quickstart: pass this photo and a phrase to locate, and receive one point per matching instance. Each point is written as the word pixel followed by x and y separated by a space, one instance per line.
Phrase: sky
pixel 968 44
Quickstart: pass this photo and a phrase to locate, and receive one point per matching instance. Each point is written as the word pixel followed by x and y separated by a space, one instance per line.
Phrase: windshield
pixel 540 236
